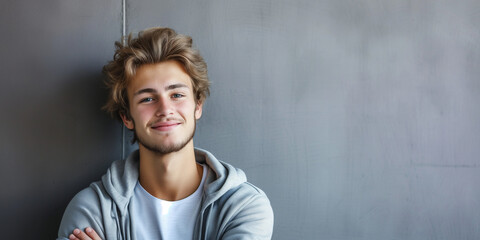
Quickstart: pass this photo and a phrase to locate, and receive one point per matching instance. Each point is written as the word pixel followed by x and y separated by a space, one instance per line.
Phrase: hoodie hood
pixel 120 180
pixel 122 177
pixel 221 176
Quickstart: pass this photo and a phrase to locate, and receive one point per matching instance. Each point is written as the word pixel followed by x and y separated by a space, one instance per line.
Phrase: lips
pixel 165 126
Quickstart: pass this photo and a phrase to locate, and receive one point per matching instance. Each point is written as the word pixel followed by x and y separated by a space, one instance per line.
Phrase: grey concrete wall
pixel 359 119
pixel 54 139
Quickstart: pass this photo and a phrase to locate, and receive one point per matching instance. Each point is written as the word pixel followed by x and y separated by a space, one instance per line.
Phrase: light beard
pixel 166 149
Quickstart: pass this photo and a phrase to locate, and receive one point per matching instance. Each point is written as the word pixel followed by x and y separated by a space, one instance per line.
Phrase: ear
pixel 127 121
pixel 198 110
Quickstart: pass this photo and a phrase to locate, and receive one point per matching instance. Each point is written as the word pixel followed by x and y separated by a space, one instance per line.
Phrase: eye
pixel 147 99
pixel 177 95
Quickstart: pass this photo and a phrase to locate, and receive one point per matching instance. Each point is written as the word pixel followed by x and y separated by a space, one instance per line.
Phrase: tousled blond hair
pixel 153 45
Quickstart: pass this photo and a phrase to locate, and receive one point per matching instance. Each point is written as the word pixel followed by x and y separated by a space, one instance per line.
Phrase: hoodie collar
pixel 122 177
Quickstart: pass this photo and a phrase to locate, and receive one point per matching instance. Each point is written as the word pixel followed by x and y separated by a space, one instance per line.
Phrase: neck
pixel 171 176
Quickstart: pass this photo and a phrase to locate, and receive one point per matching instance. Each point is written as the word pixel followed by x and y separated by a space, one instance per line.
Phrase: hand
pixel 89 234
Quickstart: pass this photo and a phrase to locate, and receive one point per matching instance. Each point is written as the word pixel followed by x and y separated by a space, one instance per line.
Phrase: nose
pixel 164 107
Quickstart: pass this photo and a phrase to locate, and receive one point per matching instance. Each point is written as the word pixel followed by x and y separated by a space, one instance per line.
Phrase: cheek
pixel 142 113
pixel 186 108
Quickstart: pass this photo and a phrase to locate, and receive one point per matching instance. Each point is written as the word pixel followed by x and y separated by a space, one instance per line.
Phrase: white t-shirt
pixel 160 219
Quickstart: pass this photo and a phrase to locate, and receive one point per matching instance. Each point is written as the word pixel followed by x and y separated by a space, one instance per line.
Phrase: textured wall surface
pixel 359 119
pixel 54 139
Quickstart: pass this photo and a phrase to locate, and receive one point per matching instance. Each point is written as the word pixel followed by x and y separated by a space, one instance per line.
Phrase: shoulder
pixel 84 210
pixel 247 196
pixel 245 191
pixel 247 213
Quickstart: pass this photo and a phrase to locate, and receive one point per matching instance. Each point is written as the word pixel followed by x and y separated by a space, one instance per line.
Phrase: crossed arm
pixel 83 212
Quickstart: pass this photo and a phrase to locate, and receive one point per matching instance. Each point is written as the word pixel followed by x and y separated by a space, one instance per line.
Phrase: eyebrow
pixel 152 90
pixel 145 90
pixel 173 86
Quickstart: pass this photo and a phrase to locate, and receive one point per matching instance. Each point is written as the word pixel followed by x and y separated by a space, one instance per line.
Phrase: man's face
pixel 162 107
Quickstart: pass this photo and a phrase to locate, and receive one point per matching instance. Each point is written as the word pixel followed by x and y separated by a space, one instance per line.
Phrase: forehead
pixel 159 75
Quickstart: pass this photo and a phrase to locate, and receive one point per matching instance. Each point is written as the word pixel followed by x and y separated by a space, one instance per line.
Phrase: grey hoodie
pixel 231 207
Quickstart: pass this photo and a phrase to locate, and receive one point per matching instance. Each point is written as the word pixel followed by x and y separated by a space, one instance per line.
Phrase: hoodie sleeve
pixel 83 211
pixel 254 219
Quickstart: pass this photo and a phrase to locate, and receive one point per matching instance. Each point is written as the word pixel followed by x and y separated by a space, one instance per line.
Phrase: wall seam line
pixel 124 32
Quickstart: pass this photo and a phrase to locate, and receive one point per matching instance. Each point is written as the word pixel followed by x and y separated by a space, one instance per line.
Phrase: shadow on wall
pixel 57 142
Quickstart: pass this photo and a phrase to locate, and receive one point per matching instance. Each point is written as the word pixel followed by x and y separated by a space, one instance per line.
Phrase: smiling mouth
pixel 165 126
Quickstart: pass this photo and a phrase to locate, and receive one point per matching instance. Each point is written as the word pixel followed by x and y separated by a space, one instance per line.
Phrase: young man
pixel 167 189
